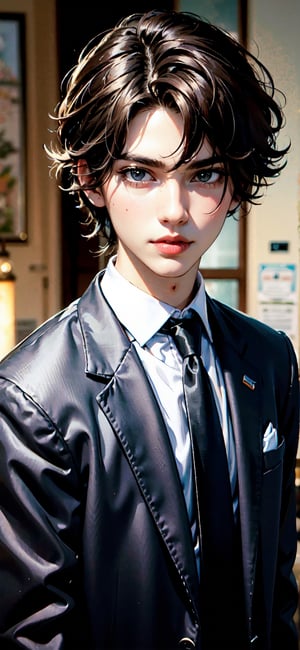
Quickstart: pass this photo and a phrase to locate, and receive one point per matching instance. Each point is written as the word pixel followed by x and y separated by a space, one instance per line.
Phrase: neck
pixel 175 291
pixel 171 283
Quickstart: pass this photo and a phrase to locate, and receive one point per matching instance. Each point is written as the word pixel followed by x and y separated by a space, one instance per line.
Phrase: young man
pixel 166 127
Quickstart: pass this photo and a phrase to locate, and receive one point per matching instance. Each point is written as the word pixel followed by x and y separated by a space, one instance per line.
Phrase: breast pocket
pixel 274 458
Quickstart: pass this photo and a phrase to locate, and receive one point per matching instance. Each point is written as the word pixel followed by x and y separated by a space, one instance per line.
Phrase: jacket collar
pixel 105 341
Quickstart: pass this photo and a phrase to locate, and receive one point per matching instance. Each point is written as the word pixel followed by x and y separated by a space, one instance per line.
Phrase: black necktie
pixel 212 485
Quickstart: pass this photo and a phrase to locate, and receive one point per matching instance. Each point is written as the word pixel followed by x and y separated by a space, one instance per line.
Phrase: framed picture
pixel 13 222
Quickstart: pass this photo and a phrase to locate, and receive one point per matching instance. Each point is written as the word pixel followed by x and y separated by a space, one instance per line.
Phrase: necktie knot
pixel 186 333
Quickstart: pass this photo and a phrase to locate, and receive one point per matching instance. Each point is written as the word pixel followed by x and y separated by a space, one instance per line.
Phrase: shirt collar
pixel 140 313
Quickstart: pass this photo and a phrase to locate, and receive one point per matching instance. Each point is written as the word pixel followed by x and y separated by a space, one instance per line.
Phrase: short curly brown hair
pixel 176 60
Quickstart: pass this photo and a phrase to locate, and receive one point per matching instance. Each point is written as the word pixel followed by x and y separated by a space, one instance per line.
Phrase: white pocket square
pixel 270 439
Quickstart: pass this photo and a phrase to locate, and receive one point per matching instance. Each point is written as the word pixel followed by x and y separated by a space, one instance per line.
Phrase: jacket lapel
pixel 130 406
pixel 243 385
pixel 133 412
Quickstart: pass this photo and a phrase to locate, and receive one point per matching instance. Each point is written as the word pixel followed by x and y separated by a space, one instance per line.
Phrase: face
pixel 165 219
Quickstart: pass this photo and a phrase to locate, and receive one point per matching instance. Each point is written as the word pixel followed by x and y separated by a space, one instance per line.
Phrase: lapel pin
pixel 250 383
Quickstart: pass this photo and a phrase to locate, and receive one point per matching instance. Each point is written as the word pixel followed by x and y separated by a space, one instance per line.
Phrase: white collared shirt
pixel 142 315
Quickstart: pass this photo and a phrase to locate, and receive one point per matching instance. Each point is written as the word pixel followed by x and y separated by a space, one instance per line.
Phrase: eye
pixel 210 176
pixel 136 174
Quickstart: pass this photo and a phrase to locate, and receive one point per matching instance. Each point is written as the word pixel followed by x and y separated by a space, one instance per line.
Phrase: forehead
pixel 157 135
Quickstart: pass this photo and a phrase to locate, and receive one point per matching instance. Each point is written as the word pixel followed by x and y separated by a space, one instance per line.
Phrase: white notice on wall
pixel 277 297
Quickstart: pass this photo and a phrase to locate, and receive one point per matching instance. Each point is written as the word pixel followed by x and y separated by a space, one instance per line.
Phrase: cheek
pixel 120 203
pixel 211 226
pixel 129 215
pixel 214 219
pixel 126 218
pixel 217 213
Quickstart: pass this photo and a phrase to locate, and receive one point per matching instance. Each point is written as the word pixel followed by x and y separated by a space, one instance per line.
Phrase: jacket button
pixel 186 644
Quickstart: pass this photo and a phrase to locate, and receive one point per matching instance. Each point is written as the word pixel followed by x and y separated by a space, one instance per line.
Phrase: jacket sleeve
pixel 286 591
pixel 39 528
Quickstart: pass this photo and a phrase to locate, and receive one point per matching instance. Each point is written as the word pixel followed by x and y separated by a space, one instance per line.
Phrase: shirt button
pixel 186 644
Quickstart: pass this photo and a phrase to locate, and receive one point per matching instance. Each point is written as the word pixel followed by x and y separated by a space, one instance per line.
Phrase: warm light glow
pixel 5 267
pixel 7 316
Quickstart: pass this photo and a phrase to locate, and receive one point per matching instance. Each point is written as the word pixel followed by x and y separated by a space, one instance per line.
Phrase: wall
pixel 37 262
pixel 274 33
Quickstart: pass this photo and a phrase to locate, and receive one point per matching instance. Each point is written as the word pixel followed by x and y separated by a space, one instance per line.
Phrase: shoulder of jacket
pixel 240 319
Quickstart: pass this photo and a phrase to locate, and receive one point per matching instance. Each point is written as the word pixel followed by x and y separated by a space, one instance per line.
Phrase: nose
pixel 173 206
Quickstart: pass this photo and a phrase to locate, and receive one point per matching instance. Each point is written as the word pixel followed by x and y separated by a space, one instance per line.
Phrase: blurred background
pixel 253 266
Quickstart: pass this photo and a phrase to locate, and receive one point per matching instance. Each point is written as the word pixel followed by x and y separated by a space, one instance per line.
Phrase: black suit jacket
pixel 95 544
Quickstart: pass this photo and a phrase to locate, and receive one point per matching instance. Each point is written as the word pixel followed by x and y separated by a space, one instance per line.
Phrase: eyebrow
pixel 153 162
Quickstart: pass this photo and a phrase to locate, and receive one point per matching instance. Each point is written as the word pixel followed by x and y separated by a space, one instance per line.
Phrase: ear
pixel 84 177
